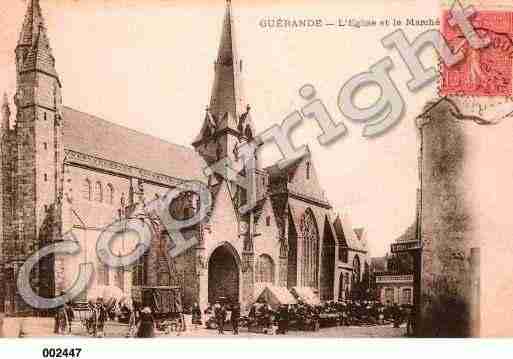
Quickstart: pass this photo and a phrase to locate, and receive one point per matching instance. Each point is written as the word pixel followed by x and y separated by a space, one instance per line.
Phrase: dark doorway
pixel 223 274
pixel 328 263
pixel 292 255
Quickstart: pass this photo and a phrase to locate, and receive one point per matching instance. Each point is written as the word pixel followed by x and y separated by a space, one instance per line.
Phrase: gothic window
pixel 86 190
pixel 265 269
pixel 162 247
pixel 343 255
pixel 308 170
pixel 26 140
pixel 82 297
pixel 120 278
pixel 248 133
pixel 242 196
pixel 356 269
pixel 341 287
pixel 310 246
pixel 389 296
pixel 45 145
pixel 139 275
pixel 102 274
pixel 45 177
pixel 163 279
pixel 110 193
pixel 407 296
pixel 98 194
pixel 268 221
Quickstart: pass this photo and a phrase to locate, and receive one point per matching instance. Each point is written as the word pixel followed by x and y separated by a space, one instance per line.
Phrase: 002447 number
pixel 61 352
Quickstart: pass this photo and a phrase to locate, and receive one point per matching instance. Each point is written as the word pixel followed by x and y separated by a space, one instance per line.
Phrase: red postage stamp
pixel 486 71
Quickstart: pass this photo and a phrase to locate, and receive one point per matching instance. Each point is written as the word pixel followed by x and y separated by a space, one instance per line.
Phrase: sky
pixel 149 66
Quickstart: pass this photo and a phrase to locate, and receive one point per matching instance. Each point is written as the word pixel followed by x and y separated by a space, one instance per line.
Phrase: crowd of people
pixel 307 317
pixel 223 316
pixel 366 312
pixel 96 313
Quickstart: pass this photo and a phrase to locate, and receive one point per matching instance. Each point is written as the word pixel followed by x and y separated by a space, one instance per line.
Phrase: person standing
pixel 133 320
pixel 181 317
pixel 396 314
pixel 146 324
pixel 101 312
pixel 61 320
pixel 2 315
pixel 220 315
pixel 91 320
pixel 57 320
pixel 70 315
pixel 381 315
pixel 410 326
pixel 235 318
pixel 196 315
pixel 283 319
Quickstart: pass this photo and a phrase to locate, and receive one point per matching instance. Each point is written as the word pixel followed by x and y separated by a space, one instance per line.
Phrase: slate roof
pixel 94 136
pixel 347 236
pixel 359 232
pixel 379 264
pixel 290 166
pixel 409 235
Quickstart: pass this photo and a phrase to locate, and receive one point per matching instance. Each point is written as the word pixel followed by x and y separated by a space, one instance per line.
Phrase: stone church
pixel 65 170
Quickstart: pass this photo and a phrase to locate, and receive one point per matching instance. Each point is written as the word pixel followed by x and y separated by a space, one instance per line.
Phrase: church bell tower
pixel 227 122
pixel 39 152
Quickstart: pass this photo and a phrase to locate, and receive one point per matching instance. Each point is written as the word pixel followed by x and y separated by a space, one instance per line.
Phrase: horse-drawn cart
pixel 165 304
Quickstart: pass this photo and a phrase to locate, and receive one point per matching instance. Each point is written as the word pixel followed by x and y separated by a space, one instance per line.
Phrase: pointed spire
pixel 34 43
pixel 33 21
pixel 5 103
pixel 227 51
pixel 227 103
pixel 6 114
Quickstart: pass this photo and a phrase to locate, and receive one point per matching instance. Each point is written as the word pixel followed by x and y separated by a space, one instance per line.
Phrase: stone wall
pixel 447 223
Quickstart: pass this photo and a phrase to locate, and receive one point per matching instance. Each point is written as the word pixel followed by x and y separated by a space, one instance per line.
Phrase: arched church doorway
pixel 223 274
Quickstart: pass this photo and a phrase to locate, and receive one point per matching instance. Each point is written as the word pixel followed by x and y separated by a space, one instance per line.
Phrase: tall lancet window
pixel 265 269
pixel 110 194
pixel 86 190
pixel 98 193
pixel 356 270
pixel 310 248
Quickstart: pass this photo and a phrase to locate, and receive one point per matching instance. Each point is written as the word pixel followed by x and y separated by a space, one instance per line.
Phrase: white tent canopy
pixel 306 294
pixel 273 295
pixel 107 292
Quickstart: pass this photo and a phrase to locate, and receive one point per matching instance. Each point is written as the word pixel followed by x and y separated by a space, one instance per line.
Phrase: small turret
pixel 6 115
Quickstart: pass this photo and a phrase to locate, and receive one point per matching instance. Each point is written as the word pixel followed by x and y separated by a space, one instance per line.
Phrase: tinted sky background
pixel 149 66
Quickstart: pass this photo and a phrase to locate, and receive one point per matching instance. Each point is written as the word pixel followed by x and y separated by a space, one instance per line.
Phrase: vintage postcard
pixel 251 169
